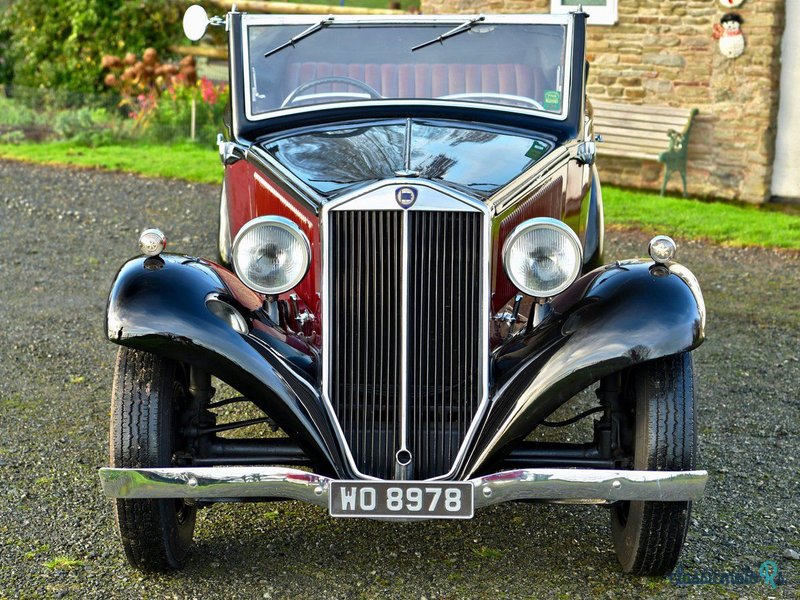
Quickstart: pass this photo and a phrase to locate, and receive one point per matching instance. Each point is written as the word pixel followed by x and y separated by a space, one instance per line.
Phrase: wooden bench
pixel 646 132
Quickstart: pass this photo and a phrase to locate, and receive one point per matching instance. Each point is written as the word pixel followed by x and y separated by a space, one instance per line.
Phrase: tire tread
pixel 141 383
pixel 667 386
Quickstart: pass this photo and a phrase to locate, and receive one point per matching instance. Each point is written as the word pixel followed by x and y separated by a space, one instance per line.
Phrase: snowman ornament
pixel 731 3
pixel 729 34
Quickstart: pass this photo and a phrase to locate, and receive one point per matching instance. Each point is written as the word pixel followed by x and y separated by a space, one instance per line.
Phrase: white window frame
pixel 598 15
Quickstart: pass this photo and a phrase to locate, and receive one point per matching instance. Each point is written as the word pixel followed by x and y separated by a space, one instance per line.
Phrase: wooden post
pixel 194 120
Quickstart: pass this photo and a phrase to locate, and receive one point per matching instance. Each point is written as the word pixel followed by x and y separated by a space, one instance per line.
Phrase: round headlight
pixel 542 257
pixel 271 254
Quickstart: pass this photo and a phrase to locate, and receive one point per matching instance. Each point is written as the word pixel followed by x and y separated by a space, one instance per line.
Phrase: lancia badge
pixel 406 196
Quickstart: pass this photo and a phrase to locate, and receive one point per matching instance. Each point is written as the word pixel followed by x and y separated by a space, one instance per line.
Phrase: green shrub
pixel 13 137
pixel 16 115
pixel 56 47
pixel 82 126
pixel 18 122
pixel 88 127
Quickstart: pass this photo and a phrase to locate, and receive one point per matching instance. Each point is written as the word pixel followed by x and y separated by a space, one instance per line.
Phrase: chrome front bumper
pixel 581 486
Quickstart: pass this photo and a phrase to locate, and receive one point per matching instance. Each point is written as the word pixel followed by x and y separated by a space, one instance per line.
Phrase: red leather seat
pixel 424 80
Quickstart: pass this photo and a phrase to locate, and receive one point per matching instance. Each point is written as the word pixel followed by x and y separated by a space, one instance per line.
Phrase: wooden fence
pixel 268 7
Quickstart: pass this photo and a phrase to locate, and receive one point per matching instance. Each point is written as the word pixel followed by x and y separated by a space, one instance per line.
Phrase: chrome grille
pixel 424 390
pixel 444 335
pixel 365 327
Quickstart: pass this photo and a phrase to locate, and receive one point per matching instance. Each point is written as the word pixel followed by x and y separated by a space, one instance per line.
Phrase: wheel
pixel 371 92
pixel 224 238
pixel 148 391
pixel 648 536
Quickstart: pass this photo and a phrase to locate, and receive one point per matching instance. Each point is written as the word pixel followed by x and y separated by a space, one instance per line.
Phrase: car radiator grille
pixel 427 387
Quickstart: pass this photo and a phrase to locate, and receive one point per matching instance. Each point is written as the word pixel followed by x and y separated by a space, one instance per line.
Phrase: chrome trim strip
pixel 442 198
pixel 424 102
pixel 529 19
pixel 407 148
pixel 571 485
pixel 404 351
pixel 234 77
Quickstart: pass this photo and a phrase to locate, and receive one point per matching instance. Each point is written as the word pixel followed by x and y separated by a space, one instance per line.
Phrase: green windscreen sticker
pixel 537 150
pixel 552 100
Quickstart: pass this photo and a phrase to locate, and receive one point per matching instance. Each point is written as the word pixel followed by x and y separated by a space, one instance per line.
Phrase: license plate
pixel 401 499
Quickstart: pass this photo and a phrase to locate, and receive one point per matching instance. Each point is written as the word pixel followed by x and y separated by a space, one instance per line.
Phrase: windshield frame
pixel 251 20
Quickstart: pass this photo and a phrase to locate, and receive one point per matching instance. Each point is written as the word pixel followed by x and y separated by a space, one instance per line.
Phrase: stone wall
pixel 662 52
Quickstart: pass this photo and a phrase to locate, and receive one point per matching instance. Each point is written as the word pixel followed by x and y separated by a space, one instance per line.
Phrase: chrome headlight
pixel 542 257
pixel 271 254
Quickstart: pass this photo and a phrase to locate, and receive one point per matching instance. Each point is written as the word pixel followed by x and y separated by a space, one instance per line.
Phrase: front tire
pixel 648 536
pixel 148 393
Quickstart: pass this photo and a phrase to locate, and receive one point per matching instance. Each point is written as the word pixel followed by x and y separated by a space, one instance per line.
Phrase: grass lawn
pixel 716 221
pixel 726 224
pixel 194 162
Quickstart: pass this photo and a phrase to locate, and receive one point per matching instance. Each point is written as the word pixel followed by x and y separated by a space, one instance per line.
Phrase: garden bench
pixel 645 132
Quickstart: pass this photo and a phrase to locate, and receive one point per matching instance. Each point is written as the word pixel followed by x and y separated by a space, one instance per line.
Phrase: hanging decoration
pixel 731 3
pixel 729 33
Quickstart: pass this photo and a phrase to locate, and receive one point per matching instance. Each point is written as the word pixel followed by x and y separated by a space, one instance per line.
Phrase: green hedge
pixel 55 48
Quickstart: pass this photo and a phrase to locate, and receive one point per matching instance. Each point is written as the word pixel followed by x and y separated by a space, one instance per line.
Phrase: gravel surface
pixel 63 234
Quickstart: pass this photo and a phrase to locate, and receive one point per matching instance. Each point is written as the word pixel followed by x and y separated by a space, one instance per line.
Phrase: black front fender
pixel 159 305
pixel 608 320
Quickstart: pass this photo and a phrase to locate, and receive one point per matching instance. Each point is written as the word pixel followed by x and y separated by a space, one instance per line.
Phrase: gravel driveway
pixel 63 234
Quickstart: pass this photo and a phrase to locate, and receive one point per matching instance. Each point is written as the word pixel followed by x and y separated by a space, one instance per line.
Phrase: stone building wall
pixel 662 52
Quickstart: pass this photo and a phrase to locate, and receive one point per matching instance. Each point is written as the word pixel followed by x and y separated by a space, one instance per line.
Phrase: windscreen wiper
pixel 466 26
pixel 313 29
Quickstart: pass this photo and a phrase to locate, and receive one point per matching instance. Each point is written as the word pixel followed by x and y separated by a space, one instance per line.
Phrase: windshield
pixel 324 60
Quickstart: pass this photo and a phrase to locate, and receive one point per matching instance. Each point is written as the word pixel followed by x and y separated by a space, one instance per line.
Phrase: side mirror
pixel 195 22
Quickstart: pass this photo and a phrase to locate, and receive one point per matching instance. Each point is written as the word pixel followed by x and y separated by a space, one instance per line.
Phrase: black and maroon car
pixel 410 282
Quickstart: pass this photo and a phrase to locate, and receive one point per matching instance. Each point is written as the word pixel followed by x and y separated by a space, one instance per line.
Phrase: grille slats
pixel 444 286
pixel 443 328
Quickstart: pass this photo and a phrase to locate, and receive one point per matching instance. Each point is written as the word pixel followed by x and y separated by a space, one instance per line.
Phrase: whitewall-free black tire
pixel 648 536
pixel 148 392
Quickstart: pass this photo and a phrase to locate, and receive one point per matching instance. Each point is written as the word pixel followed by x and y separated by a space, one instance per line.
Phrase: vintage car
pixel 410 282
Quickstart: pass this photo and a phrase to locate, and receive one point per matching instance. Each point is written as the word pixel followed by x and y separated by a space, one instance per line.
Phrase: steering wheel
pixel 486 95
pixel 293 95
